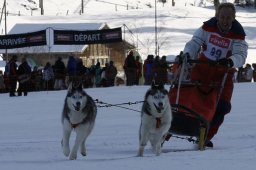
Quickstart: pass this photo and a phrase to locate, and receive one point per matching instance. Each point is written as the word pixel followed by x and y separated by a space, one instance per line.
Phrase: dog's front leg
pixel 82 146
pixel 156 143
pixel 159 138
pixel 143 139
pixel 80 136
pixel 66 135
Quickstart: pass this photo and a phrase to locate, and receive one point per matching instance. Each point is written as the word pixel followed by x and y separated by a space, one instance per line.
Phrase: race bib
pixel 217 47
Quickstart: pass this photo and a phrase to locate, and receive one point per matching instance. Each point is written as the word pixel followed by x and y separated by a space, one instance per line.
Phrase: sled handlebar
pixel 191 61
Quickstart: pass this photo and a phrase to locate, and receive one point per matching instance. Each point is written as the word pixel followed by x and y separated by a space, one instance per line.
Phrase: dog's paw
pixel 66 151
pixel 83 150
pixel 83 153
pixel 73 156
pixel 158 150
pixel 140 153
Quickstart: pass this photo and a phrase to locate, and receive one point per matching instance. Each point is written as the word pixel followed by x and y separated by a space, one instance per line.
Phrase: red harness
pixel 74 125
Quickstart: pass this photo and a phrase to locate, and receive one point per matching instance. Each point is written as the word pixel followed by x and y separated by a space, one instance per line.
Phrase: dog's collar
pixel 158 119
pixel 74 125
pixel 148 113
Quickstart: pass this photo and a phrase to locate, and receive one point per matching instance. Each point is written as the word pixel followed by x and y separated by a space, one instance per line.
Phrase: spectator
pixel 110 74
pixel 162 73
pixel 36 79
pixel 59 74
pixel 48 77
pixel 148 70
pixel 103 81
pixel 139 70
pixel 240 74
pixel 248 73
pixel 12 75
pixel 130 69
pixel 254 71
pixel 81 71
pixel 155 68
pixel 97 75
pixel 71 68
pixel 2 85
pixel 24 75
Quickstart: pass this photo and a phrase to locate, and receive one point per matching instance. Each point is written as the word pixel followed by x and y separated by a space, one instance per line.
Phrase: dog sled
pixel 194 101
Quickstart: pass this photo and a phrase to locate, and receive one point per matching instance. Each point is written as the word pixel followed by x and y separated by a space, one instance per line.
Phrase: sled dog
pixel 79 113
pixel 156 117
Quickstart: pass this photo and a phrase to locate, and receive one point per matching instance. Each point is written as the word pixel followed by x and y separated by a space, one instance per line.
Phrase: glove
pixel 226 62
pixel 179 58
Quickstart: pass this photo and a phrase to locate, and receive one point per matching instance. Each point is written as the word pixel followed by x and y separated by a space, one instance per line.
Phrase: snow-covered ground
pixel 31 132
pixel 30 127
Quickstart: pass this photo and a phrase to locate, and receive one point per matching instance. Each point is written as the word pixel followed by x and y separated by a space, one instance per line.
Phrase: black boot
pixel 209 144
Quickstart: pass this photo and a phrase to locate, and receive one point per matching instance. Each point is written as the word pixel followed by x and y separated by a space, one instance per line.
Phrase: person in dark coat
pixel 81 71
pixel 130 69
pixel 139 69
pixel 59 74
pixel 110 74
pixel 148 70
pixel 162 74
pixel 71 68
pixel 24 73
pixel 12 75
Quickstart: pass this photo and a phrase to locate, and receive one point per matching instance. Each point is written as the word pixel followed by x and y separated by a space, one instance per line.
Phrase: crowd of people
pixel 153 68
pixel 58 75
pixel 19 79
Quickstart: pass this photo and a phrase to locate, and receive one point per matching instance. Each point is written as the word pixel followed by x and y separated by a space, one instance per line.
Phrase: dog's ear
pixel 153 85
pixel 79 86
pixel 161 86
pixel 70 87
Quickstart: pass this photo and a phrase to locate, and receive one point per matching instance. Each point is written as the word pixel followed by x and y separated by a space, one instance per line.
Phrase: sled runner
pixel 194 95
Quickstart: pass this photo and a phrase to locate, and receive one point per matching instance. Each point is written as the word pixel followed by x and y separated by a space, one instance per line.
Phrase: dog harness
pixel 158 120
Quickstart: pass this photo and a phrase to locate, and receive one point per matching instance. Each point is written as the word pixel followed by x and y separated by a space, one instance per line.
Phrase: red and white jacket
pixel 209 42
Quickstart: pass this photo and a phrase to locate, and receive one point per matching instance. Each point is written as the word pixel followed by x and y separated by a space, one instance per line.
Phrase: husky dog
pixel 78 114
pixel 156 117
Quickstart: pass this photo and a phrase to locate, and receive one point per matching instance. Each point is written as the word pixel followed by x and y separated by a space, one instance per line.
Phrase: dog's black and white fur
pixel 156 117
pixel 78 114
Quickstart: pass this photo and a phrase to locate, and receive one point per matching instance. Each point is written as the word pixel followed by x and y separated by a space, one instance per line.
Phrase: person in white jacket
pixel 220 39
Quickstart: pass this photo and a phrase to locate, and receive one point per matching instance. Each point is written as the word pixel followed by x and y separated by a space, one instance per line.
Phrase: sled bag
pixel 193 98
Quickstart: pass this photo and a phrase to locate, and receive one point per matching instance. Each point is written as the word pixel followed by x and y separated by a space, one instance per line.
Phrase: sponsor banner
pixel 23 40
pixel 68 37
